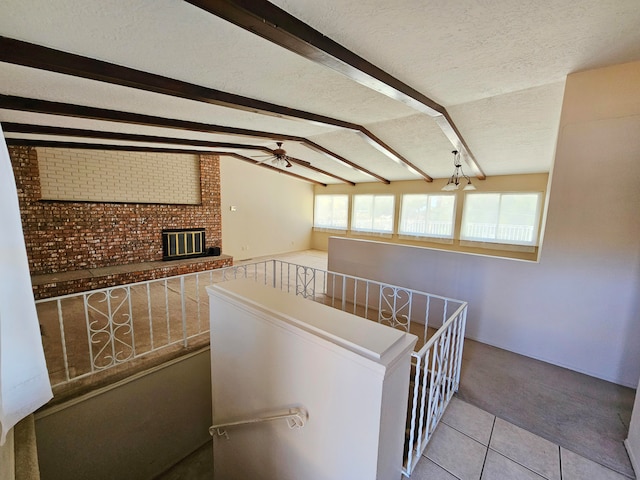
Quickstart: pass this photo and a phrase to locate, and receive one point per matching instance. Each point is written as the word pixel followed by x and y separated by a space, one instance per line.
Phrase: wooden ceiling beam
pixel 10 102
pixel 270 167
pixel 11 127
pixel 102 146
pixel 31 55
pixel 276 25
pixel 305 164
pixel 125 148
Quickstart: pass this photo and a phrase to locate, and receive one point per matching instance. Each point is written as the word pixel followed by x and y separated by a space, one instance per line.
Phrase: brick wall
pixel 67 236
pixel 116 176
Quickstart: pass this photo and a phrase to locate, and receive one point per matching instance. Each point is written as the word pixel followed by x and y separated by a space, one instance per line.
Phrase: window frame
pixel 496 241
pixel 427 236
pixel 336 228
pixel 372 231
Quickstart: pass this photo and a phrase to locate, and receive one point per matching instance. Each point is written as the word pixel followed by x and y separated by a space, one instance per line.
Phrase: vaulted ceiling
pixel 367 91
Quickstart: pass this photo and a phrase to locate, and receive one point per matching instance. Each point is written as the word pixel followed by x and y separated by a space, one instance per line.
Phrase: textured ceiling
pixel 498 67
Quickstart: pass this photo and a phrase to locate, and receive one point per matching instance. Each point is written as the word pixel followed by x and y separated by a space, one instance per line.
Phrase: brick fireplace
pixel 81 245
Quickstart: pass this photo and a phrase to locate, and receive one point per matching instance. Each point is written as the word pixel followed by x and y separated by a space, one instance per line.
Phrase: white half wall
pixel 273 212
pixel 579 306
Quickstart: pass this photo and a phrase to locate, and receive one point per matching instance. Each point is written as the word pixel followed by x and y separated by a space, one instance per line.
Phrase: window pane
pixel 518 216
pixel 362 212
pixel 480 217
pixel 372 213
pixel 383 213
pixel 427 215
pixel 331 211
pixel 501 217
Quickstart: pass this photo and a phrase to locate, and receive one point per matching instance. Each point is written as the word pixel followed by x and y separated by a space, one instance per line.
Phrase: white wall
pixel 579 306
pixel 274 212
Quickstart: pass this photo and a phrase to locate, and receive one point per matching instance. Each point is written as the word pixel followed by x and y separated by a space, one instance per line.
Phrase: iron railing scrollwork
pixel 395 306
pixel 109 326
pixel 305 281
pixel 127 322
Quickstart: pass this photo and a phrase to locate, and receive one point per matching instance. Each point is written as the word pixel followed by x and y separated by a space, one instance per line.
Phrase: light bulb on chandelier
pixel 458 174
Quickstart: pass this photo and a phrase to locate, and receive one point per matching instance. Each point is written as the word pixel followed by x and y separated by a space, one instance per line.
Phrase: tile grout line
pixel 470 438
pixel 486 453
pixel 445 469
pixel 560 460
pixel 513 459
pixel 488 447
pixel 524 466
pixel 518 463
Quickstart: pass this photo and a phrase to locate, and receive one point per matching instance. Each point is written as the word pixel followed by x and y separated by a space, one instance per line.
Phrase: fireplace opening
pixel 183 243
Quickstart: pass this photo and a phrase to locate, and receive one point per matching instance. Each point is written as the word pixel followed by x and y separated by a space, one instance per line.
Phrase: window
pixel 331 211
pixel 501 218
pixel 427 215
pixel 372 213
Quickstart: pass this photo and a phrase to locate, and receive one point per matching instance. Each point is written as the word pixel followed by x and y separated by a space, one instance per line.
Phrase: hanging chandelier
pixel 458 175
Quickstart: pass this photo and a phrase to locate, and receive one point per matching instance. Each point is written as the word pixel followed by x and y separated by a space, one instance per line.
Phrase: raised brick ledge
pixel 64 283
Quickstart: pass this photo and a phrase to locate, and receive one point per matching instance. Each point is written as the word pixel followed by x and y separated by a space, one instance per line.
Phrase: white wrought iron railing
pixel 435 378
pixel 92 332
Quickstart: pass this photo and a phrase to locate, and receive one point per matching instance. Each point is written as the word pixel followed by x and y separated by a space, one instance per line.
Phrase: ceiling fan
pixel 279 158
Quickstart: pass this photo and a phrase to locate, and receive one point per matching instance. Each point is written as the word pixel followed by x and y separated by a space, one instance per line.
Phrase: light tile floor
pixel 471 444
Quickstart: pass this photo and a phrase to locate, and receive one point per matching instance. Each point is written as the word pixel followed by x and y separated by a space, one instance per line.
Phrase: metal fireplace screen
pixel 183 243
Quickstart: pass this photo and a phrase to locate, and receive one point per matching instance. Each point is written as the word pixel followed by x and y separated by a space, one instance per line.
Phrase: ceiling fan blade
pixel 258 162
pixel 280 155
pixel 297 161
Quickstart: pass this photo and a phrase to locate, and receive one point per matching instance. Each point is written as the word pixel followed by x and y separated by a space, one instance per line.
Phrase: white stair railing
pixel 87 333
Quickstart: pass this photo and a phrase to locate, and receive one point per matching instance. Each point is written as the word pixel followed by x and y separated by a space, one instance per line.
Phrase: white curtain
pixel 24 381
